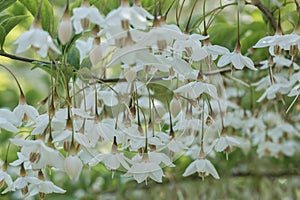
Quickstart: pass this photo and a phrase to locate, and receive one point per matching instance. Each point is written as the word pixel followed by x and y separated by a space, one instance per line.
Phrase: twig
pixel 266 12
pixel 23 59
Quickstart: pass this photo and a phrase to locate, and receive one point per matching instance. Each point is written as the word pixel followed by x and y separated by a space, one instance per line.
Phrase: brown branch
pixel 266 12
pixel 23 59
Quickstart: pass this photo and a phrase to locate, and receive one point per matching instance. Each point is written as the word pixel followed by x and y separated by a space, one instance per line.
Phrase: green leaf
pixel 11 22
pixel 3 35
pixel 7 25
pixel 47 17
pixel 5 4
pixel 73 57
pixel 4 16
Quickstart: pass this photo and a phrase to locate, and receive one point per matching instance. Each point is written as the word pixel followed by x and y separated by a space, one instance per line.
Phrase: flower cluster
pixel 146 93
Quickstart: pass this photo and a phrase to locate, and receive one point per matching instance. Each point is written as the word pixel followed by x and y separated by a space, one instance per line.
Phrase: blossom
pixel 191 45
pixel 84 47
pixel 135 15
pixel 43 187
pixel 237 59
pixel 39 154
pixel 65 28
pixel 24 111
pixel 38 39
pixel 112 161
pixel 203 166
pixel 73 166
pixel 148 165
pixel 271 42
pixel 194 89
pixel 141 170
pixel 5 178
pixel 8 121
pixel 224 143
pixel 85 12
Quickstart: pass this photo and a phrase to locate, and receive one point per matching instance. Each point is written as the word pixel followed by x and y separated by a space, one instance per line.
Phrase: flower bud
pixel 175 107
pixel 65 28
pixel 73 166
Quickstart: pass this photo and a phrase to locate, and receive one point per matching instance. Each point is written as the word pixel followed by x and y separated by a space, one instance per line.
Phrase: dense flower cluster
pixel 161 105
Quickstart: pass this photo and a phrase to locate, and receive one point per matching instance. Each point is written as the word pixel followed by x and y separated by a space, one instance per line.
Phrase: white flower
pixel 86 13
pixel 84 47
pixel 135 15
pixel 146 166
pixel 268 148
pixel 38 39
pixel 43 186
pixel 24 111
pixel 295 91
pixel 224 142
pixel 39 154
pixel 203 166
pixel 65 28
pixel 73 166
pixel 271 42
pixel 8 121
pixel 237 59
pixel 215 50
pixel 194 89
pixel 5 178
pixel 191 43
pixel 112 161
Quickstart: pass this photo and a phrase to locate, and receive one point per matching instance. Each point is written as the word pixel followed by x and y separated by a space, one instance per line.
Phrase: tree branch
pixel 23 59
pixel 266 12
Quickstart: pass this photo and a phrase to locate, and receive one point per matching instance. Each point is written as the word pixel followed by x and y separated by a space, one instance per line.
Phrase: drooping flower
pixel 5 178
pixel 39 154
pixel 112 160
pixel 36 38
pixel 237 59
pixel 85 14
pixel 203 167
pixel 73 166
pixel 65 28
pixel 194 89
pixel 8 121
pixel 192 46
pixel 142 168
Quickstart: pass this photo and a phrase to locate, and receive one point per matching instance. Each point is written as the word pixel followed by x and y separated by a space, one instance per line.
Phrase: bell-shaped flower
pixel 203 167
pixel 73 166
pixel 135 15
pixel 43 187
pixel 86 13
pixel 237 60
pixel 142 168
pixel 225 143
pixel 36 38
pixel 65 29
pixel 268 148
pixel 214 50
pixel 192 46
pixel 295 91
pixel 5 178
pixel 112 160
pixel 194 89
pixel 24 112
pixel 161 37
pixel 8 121
pixel 84 47
pixel 271 42
pixel 39 154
